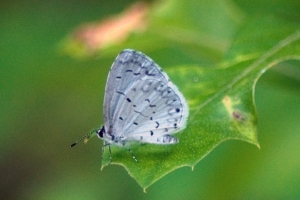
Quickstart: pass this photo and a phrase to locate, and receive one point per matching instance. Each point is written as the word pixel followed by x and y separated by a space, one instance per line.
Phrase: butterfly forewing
pixel 128 67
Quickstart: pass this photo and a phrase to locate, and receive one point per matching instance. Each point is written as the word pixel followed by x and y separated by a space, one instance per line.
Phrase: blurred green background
pixel 48 101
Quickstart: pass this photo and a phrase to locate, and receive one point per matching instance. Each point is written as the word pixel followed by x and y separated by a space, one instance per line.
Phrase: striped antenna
pixel 87 136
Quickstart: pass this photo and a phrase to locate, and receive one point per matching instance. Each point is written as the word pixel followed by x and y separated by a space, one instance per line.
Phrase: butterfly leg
pixel 134 158
pixel 103 146
pixel 110 158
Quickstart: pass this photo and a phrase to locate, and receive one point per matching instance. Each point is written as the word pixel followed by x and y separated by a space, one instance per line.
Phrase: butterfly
pixel 140 104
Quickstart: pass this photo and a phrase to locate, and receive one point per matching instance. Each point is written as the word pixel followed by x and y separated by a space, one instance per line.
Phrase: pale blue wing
pixel 128 67
pixel 140 101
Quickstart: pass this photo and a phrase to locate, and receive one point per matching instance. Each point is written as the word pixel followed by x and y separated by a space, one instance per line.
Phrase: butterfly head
pixel 101 132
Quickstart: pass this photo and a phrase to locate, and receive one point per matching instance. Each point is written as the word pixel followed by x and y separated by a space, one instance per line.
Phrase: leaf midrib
pixel 286 41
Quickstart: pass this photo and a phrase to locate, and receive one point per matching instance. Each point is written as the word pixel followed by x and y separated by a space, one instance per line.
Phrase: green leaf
pixel 221 101
pixel 282 9
pixel 204 35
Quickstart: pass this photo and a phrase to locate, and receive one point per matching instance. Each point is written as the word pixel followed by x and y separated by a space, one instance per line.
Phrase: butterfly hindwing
pixel 150 108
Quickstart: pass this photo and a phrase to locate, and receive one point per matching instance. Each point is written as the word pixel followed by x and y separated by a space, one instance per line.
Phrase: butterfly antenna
pixel 87 136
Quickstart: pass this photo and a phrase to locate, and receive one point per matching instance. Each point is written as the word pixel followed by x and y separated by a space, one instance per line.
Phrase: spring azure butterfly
pixel 140 104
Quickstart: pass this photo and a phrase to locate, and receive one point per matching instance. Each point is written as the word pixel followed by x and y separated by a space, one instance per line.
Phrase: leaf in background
pixel 86 40
pixel 221 101
pixel 203 36
pixel 203 27
pixel 288 10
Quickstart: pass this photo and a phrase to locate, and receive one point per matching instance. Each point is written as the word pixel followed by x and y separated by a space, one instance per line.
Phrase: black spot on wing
pixel 157 124
pixel 121 62
pixel 148 100
pixel 170 102
pixel 148 74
